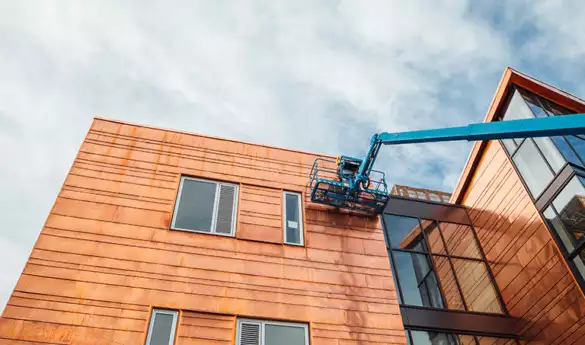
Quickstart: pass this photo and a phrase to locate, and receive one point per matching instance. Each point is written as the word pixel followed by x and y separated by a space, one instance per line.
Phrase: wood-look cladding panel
pixel 106 256
pixel 532 275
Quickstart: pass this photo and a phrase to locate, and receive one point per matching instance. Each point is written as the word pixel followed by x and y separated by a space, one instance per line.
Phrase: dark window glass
pixel 292 221
pixel 447 283
pixel 477 288
pixel 417 281
pixel 532 167
pixel 566 150
pixel 441 338
pixel 578 144
pixel 162 326
pixel 434 240
pixel 404 232
pixel 394 272
pixel 460 240
pixel 569 218
pixel 196 202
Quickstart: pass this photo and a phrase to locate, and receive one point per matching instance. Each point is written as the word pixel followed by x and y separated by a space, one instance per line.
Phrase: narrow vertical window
pixel 293 218
pixel 162 327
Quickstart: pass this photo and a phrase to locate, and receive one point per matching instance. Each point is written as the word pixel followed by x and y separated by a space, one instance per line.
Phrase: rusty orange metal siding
pixel 106 256
pixel 536 284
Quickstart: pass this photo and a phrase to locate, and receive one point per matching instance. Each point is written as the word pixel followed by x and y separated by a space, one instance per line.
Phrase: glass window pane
pixel 433 338
pixel 283 335
pixel 551 153
pixel 579 261
pixel 556 225
pixel 478 290
pixel 434 240
pixel 570 207
pixel 417 281
pixel 517 109
pixel 161 329
pixel 421 195
pixel 434 197
pixel 460 240
pixel 532 167
pixel 411 194
pixel 394 273
pixel 404 232
pixel 292 221
pixel 535 106
pixel 579 146
pixel 567 151
pixel 195 211
pixel 447 283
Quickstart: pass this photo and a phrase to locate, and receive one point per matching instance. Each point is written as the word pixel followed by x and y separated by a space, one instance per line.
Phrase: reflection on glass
pixel 404 232
pixel 478 290
pixel 532 167
pixel 578 144
pixel 517 109
pixel 566 150
pixel 570 208
pixel 579 261
pixel 441 338
pixel 447 283
pixel 555 223
pixel 460 240
pixel 434 241
pixel 551 153
pixel 417 281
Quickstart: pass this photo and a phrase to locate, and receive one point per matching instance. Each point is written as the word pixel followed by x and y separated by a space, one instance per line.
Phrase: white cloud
pixel 320 76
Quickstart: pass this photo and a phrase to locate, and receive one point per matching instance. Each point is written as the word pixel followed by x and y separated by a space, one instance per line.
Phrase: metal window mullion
pixel 432 268
pixel 392 261
pixel 581 159
pixel 554 173
pixel 448 256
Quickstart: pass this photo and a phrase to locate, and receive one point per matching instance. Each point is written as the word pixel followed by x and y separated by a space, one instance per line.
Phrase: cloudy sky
pixel 319 76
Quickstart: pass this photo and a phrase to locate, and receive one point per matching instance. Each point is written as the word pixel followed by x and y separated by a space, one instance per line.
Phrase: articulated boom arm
pixel 354 188
pixel 525 128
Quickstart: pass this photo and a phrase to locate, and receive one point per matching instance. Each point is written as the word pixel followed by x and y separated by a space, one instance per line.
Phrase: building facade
pixel 420 193
pixel 161 237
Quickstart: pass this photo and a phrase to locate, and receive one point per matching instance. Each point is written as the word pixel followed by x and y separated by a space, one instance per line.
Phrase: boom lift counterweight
pixel 353 184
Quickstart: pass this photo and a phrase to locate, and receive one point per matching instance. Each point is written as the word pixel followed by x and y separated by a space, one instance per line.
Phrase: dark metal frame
pixel 449 258
pixel 555 186
pixel 475 335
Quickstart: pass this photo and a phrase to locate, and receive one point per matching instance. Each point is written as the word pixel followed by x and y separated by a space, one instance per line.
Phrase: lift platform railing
pixel 329 189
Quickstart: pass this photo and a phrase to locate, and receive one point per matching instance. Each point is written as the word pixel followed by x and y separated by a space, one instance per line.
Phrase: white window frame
pixel 263 323
pixel 175 315
pixel 218 185
pixel 284 220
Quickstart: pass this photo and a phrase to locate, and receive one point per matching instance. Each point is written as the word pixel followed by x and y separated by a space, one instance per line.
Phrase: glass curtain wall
pixel 539 159
pixel 418 337
pixel 439 265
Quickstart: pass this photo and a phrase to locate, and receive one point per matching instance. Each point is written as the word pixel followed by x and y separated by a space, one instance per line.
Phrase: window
pixel 446 198
pixel 293 218
pixel 532 167
pixel 566 218
pixel 411 194
pixel 421 195
pixel 261 332
pixel 418 337
pixel 434 197
pixel 162 327
pixel 206 206
pixel 439 265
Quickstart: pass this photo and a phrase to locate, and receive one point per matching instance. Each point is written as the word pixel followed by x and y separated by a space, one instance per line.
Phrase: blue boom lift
pixel 351 183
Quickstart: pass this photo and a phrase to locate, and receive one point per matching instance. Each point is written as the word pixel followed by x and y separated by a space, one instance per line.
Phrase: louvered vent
pixel 225 209
pixel 249 334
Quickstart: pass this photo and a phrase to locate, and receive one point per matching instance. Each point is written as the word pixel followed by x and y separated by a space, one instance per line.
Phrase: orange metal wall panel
pixel 106 256
pixel 535 282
